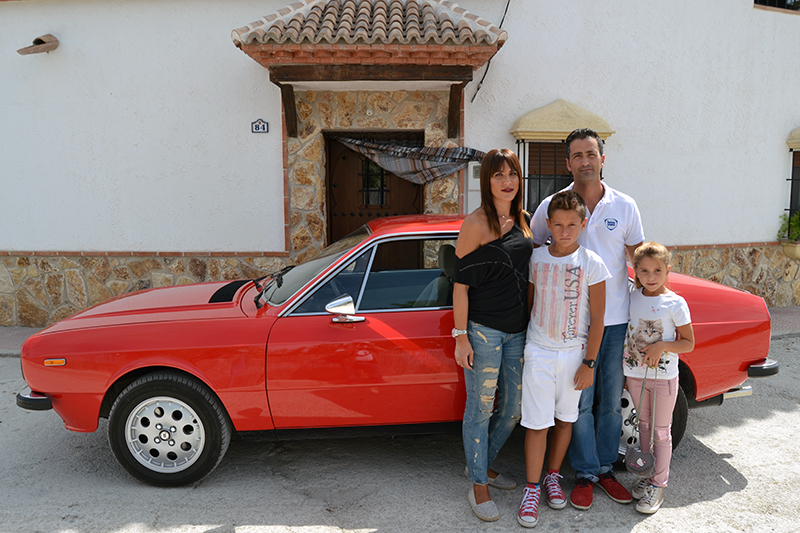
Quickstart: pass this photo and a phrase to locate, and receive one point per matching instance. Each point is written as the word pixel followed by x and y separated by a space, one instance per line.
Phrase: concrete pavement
pixel 12 337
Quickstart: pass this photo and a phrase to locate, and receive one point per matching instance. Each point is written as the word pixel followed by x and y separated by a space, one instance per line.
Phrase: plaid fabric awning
pixel 418 165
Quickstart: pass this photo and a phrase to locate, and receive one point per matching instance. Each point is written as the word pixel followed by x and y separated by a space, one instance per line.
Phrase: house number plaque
pixel 259 126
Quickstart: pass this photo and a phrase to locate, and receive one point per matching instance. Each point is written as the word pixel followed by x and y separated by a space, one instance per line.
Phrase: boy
pixel 566 291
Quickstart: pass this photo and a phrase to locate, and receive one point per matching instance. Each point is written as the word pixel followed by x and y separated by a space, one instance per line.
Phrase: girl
pixel 490 314
pixel 660 327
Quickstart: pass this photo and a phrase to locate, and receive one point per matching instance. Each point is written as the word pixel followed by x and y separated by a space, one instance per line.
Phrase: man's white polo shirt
pixel 614 224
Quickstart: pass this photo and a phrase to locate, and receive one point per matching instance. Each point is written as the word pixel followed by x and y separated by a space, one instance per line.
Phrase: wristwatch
pixel 456 332
pixel 591 363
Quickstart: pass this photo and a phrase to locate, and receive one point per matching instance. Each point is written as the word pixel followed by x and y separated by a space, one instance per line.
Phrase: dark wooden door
pixel 359 191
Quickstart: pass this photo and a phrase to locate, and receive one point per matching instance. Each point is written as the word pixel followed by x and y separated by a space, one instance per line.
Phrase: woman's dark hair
pixel 493 162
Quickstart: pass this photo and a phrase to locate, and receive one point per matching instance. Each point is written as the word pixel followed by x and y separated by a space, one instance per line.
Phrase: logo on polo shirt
pixel 611 224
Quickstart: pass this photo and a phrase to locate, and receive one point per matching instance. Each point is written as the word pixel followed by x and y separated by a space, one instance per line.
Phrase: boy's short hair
pixel 567 201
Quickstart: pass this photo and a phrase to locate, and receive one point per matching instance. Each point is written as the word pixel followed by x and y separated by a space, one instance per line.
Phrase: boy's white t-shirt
pixel 653 318
pixel 614 224
pixel 560 314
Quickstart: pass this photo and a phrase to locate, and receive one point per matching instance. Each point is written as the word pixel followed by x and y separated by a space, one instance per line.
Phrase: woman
pixel 490 315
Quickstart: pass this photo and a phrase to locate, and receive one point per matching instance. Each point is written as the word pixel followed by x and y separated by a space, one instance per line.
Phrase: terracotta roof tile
pixel 371 22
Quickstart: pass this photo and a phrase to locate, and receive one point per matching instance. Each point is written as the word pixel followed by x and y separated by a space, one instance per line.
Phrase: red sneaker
pixel 581 497
pixel 614 488
pixel 528 514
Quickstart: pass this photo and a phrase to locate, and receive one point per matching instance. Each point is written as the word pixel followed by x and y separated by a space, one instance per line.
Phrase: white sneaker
pixel 638 489
pixel 651 501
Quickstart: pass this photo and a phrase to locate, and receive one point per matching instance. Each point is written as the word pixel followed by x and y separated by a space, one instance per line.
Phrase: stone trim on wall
pixel 759 268
pixel 37 290
pixel 40 288
pixel 142 254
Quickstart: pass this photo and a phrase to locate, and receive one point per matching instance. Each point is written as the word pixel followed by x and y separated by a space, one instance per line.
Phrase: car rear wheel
pixel 630 436
pixel 166 429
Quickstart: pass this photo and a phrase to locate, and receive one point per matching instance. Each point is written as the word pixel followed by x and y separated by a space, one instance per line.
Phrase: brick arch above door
pixel 320 112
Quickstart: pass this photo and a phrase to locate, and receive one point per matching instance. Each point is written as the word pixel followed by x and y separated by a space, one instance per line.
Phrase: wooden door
pixel 359 190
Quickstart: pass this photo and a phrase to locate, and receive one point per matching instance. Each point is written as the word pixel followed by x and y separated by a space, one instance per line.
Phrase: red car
pixel 357 339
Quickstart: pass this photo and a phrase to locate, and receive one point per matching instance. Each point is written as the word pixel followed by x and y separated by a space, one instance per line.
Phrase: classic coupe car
pixel 356 340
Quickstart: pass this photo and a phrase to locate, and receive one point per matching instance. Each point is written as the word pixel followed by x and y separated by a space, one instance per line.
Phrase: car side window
pixel 407 274
pixel 347 281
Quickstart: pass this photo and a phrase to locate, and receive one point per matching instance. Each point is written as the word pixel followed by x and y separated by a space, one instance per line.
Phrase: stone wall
pixel 39 290
pixel 761 269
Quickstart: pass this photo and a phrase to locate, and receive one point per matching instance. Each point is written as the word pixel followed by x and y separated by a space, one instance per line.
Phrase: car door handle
pixel 347 319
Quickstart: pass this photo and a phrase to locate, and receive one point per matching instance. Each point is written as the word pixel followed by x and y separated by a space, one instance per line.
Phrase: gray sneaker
pixel 486 511
pixel 638 489
pixel 651 501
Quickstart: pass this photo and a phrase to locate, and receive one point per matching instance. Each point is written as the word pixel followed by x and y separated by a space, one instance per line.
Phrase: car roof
pixel 416 224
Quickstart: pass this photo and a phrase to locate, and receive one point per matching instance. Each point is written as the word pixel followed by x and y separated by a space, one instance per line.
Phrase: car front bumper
pixel 33 401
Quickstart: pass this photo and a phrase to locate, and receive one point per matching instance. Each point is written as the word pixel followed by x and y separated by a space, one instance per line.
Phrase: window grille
pixel 544 165
pixel 792 5
pixel 373 179
pixel 794 198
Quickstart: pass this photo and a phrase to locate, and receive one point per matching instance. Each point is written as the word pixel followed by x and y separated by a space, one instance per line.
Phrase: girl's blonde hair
pixel 653 250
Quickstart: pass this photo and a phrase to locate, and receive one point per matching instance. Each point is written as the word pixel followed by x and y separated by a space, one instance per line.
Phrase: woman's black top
pixel 497 276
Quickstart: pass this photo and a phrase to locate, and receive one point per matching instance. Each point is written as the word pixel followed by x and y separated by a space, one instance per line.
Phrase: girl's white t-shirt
pixel 652 319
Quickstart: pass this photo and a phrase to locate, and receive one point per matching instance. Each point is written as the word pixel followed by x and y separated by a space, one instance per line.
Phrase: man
pixel 613 228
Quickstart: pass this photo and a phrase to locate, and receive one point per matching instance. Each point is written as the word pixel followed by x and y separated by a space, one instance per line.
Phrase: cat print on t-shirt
pixel 644 334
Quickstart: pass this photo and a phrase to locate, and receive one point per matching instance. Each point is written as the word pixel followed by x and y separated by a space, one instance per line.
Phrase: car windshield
pixel 283 287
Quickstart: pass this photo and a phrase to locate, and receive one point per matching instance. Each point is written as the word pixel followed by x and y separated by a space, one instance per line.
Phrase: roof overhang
pixel 794 139
pixel 392 44
pixel 555 121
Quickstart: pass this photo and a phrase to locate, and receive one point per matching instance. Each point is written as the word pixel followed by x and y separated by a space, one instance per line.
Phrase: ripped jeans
pixel 496 374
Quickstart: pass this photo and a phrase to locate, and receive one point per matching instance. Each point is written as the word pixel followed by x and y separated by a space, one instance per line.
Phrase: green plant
pixel 790 227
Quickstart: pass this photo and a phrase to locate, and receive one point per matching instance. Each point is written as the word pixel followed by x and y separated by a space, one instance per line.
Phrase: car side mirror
pixel 344 309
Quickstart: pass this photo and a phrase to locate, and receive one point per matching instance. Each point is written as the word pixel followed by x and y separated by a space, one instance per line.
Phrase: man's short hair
pixel 567 201
pixel 584 133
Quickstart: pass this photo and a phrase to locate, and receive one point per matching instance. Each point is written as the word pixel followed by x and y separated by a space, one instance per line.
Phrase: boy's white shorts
pixel 548 386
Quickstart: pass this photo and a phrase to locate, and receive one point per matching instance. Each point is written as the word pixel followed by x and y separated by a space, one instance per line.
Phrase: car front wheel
pixel 630 436
pixel 167 429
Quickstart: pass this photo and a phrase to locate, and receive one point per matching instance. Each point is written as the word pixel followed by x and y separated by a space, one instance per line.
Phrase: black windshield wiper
pixel 255 281
pixel 276 278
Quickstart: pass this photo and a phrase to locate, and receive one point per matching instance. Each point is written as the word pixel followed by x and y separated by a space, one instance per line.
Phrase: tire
pixel 629 435
pixel 168 430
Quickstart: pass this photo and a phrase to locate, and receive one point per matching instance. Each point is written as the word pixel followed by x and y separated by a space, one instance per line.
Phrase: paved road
pixel 738 469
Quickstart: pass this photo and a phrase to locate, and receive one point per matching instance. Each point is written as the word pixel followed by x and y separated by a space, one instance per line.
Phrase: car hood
pixel 183 302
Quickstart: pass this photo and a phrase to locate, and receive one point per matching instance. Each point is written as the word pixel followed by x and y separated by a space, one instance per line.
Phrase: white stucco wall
pixel 702 96
pixel 135 133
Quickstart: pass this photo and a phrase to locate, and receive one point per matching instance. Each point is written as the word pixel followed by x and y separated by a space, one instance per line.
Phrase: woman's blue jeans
pixel 595 435
pixel 495 379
